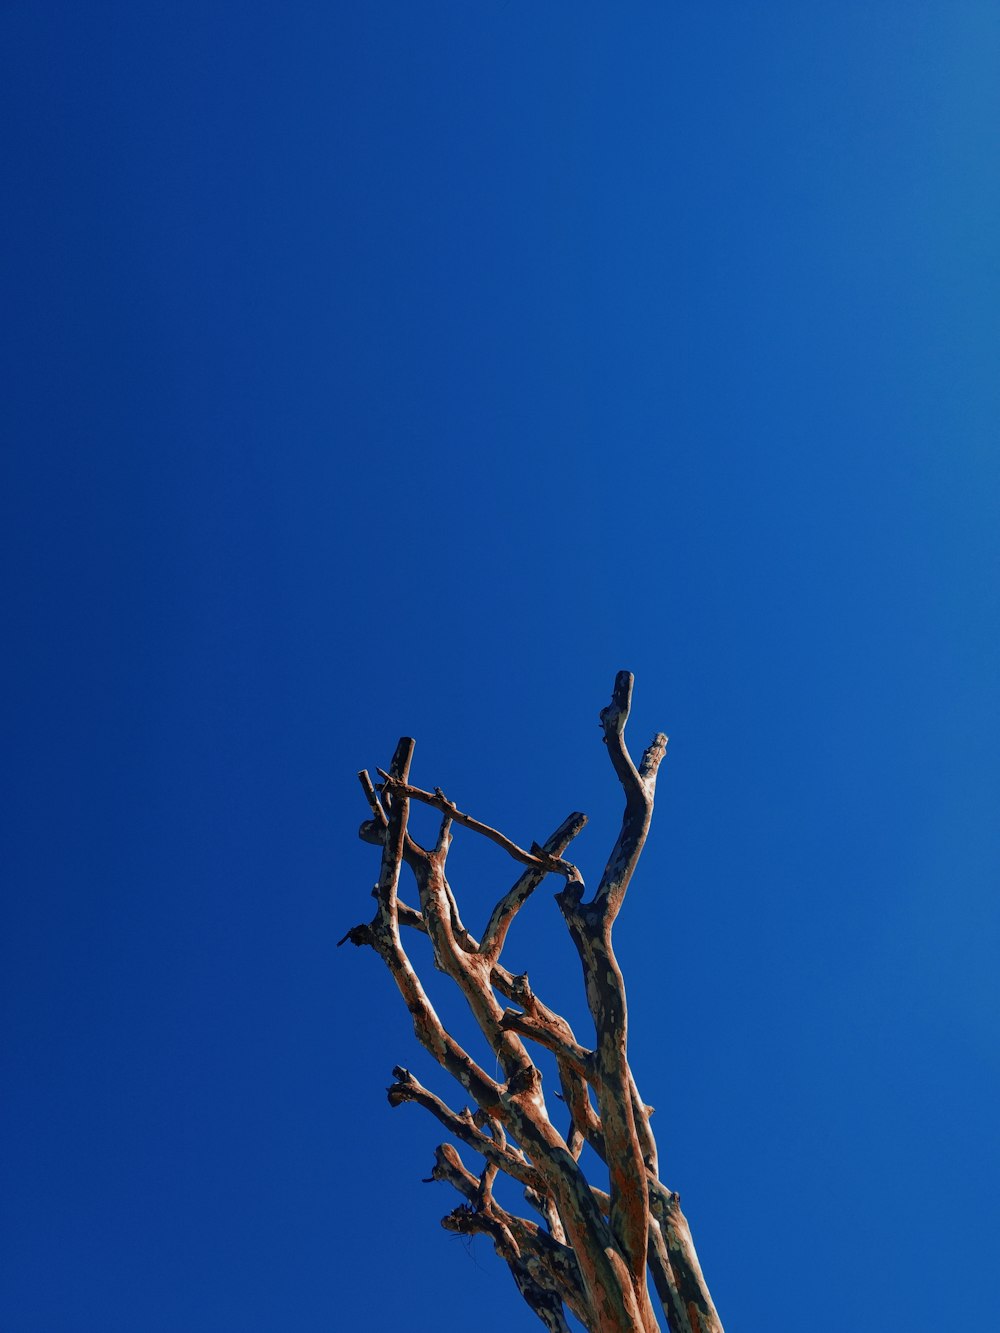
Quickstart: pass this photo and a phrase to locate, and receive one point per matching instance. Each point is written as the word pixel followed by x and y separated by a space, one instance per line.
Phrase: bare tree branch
pixel 592 1255
pixel 392 848
pixel 537 858
pixel 371 796
pixel 464 1128
pixel 638 785
pixel 512 901
pixel 590 927
pixel 550 1264
pixel 577 1057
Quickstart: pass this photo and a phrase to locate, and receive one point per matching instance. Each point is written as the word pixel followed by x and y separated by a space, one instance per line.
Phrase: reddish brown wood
pixel 594 1249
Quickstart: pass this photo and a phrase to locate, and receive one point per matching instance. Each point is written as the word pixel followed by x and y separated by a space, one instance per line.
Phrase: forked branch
pixel 593 1250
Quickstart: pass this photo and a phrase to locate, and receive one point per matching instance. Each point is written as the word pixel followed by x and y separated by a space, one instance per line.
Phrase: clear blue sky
pixel 409 368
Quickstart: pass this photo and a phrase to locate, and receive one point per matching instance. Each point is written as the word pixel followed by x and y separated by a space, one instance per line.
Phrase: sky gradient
pixel 385 369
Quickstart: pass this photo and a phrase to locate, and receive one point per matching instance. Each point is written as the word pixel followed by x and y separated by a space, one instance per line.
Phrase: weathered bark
pixel 594 1249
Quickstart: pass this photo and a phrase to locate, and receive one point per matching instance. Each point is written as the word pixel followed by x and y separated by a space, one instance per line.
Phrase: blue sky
pixel 394 368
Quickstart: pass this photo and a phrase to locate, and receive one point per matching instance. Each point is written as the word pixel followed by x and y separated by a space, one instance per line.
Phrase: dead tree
pixel 591 1250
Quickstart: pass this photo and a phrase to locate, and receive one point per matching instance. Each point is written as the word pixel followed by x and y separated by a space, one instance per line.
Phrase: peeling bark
pixel 592 1253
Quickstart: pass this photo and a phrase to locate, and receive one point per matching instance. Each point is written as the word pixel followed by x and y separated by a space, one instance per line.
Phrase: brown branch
pixel 545 1205
pixel 469 1219
pixel 638 785
pixel 409 916
pixel 665 1281
pixel 413 918
pixel 512 901
pixel 549 1263
pixel 579 1059
pixel 672 1261
pixel 392 847
pixel 382 934
pixel 585 1121
pixel 624 1156
pixel 609 1237
pixel 627 1138
pixel 371 796
pixel 468 971
pixel 546 1303
pixel 440 851
pixel 521 1097
pixel 521 1107
pixel 689 1281
pixel 464 1128
pixel 641 1114
pixel 468 1129
pixel 538 858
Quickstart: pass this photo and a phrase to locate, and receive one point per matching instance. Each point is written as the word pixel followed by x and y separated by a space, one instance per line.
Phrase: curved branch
pixel 512 901
pixel 627 1138
pixel 609 1238
pixel 579 1059
pixel 638 785
pixel 549 1263
pixel 537 858
pixel 392 847
pixel 463 1127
